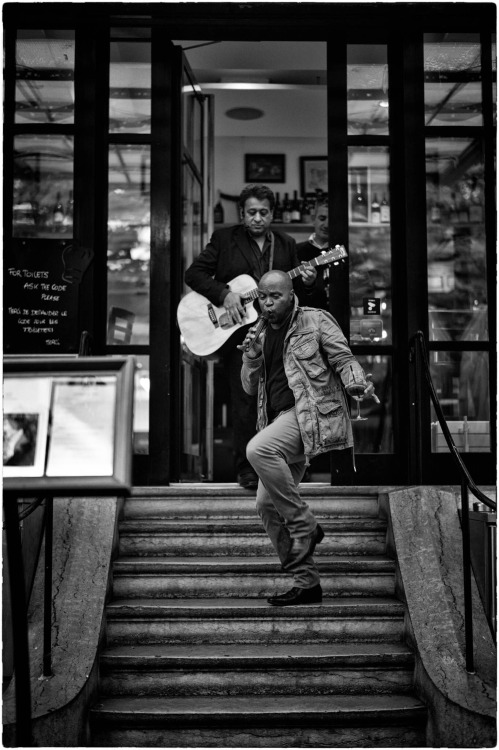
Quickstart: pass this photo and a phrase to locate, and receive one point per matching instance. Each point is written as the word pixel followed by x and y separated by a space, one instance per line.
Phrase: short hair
pixel 322 201
pixel 262 192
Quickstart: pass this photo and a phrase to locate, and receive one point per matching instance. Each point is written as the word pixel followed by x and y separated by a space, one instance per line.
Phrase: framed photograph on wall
pixel 313 174
pixel 264 168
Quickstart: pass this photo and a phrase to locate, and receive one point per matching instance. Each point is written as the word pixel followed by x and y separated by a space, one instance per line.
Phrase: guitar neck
pixel 296 271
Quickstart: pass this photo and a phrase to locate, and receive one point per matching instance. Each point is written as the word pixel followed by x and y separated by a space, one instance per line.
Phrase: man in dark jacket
pixel 248 248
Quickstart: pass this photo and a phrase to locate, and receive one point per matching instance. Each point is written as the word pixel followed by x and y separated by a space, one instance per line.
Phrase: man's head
pixel 256 206
pixel 276 296
pixel 321 221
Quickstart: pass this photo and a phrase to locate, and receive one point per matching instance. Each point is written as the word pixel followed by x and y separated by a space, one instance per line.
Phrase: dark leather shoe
pixel 248 480
pixel 303 547
pixel 297 596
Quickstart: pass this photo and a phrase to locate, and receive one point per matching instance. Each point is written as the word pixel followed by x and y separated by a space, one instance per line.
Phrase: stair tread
pixel 257 652
pixel 228 489
pixel 241 562
pixel 257 706
pixel 348 524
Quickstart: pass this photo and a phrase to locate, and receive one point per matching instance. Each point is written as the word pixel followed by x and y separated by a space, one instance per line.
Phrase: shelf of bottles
pixel 290 209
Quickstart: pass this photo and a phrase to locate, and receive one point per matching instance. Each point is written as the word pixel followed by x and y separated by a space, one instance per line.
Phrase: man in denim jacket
pixel 300 366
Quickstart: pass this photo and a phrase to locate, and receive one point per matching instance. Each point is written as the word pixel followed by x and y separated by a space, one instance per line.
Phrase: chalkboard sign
pixel 41 292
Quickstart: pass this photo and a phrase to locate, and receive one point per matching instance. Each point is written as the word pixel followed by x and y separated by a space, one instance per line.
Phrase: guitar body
pixel 204 326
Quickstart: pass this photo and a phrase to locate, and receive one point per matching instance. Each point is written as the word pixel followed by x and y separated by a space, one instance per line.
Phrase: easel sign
pixel 67 425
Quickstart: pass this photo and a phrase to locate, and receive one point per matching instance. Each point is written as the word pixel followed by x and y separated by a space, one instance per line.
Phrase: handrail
pixel 418 342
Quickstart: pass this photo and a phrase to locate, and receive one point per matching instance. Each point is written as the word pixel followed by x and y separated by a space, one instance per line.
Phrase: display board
pixel 41 292
pixel 67 424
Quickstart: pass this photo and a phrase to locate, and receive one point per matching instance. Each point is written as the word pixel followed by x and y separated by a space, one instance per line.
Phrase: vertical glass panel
pixel 457 271
pixel 141 405
pixel 45 76
pixel 192 120
pixel 494 82
pixel 367 89
pixel 452 74
pixel 370 245
pixel 43 186
pixel 128 249
pixel 373 432
pixel 461 381
pixel 192 230
pixel 130 87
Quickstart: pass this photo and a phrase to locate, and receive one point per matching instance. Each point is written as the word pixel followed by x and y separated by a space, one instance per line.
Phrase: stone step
pixel 233 503
pixel 260 721
pixel 236 669
pixel 215 621
pixel 190 577
pixel 193 537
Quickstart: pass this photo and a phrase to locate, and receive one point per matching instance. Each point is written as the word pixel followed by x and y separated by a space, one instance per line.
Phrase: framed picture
pixel 264 168
pixel 313 174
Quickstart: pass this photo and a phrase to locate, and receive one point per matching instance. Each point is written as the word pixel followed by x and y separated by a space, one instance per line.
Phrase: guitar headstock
pixel 333 255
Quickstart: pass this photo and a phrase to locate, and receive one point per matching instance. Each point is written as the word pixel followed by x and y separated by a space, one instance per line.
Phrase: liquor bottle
pixel 385 210
pixel 295 208
pixel 58 212
pixel 375 210
pixel 218 211
pixel 453 215
pixel 286 209
pixel 277 210
pixel 476 208
pixel 463 212
pixel 435 213
pixel 359 203
pixel 68 216
pixel 307 210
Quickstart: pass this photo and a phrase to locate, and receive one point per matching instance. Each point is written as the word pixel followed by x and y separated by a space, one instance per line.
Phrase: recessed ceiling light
pixel 244 113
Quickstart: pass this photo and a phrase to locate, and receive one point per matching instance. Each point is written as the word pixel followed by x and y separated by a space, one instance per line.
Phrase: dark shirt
pixel 261 260
pixel 279 395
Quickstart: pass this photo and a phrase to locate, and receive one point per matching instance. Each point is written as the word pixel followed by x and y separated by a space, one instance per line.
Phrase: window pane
pixel 141 405
pixel 128 249
pixel 453 79
pixel 367 84
pixel 192 120
pixel 461 381
pixel 370 246
pixel 130 87
pixel 457 271
pixel 45 77
pixel 43 186
pixel 373 433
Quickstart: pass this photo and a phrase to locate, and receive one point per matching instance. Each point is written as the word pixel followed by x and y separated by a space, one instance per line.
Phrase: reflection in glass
pixel 453 87
pixel 457 271
pixel 45 77
pixel 375 434
pixel 43 186
pixel 130 87
pixel 192 228
pixel 141 405
pixel 461 381
pixel 369 246
pixel 367 85
pixel 128 249
pixel 192 121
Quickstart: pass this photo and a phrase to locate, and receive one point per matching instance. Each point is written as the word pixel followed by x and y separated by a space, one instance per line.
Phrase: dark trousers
pixel 243 407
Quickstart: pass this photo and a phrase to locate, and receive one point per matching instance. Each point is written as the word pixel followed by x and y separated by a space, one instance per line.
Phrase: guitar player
pixel 252 248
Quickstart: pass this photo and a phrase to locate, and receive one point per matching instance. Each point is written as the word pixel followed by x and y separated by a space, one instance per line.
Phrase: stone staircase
pixel 195 656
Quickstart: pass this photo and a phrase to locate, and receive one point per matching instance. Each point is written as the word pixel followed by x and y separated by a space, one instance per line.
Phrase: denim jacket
pixel 318 364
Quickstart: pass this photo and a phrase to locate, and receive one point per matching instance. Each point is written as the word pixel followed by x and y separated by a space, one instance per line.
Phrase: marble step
pixel 360 536
pixel 259 721
pixel 229 502
pixel 236 669
pixel 231 620
pixel 190 577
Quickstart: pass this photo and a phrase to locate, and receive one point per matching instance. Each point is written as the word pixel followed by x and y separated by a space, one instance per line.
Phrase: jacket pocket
pixel 331 421
pixel 308 354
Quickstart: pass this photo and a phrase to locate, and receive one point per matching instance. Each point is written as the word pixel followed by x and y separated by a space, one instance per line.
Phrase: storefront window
pixel 372 423
pixel 369 246
pixel 453 79
pixel 128 250
pixel 43 186
pixel 461 381
pixel 367 83
pixel 130 87
pixel 45 77
pixel 457 271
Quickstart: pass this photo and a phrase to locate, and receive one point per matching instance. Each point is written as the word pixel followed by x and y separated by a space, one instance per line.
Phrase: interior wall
pixel 229 164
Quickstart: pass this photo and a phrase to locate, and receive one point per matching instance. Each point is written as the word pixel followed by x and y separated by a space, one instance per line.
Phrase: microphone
pixel 260 325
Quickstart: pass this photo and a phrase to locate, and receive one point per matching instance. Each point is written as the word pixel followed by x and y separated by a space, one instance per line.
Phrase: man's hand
pixel 252 344
pixel 356 390
pixel 308 273
pixel 234 307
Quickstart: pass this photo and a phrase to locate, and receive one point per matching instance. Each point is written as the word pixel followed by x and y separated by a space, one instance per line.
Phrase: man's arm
pixel 340 357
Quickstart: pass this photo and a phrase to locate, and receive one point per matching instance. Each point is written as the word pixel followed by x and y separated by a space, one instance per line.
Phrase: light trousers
pixel 276 454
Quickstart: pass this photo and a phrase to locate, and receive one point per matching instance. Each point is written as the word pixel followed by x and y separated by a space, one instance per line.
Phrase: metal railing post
pixel 468 600
pixel 47 588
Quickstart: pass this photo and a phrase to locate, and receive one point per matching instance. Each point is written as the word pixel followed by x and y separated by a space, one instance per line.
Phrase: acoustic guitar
pixel 206 327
